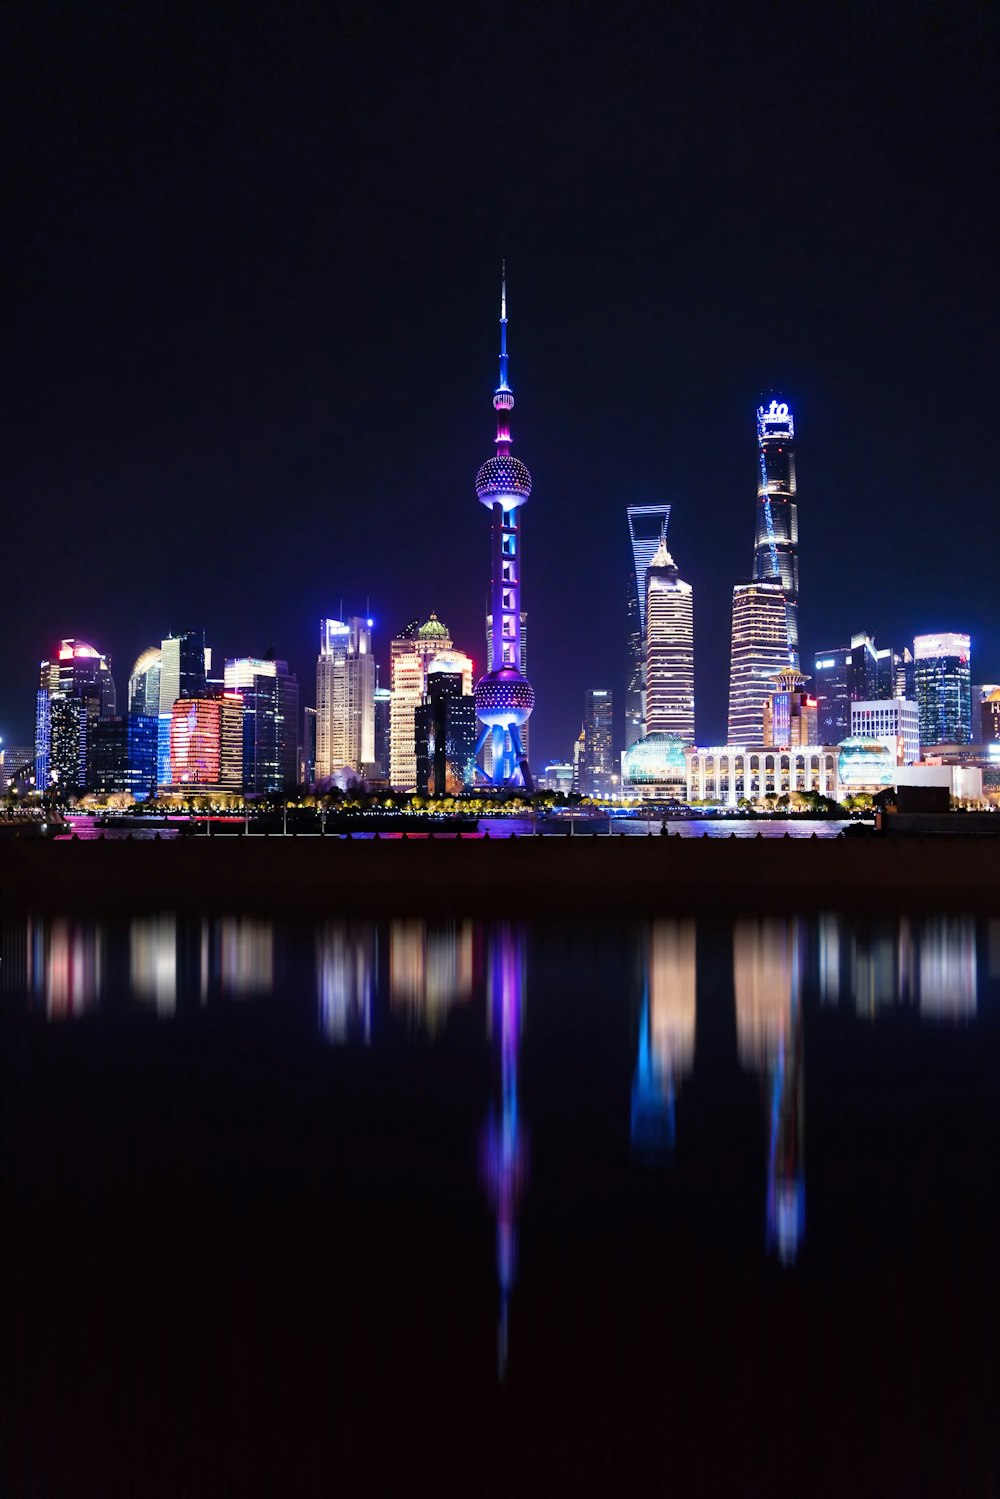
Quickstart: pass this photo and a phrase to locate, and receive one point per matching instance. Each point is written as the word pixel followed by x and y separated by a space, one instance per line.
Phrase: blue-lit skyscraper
pixel 943 675
pixel 504 697
pixel 776 536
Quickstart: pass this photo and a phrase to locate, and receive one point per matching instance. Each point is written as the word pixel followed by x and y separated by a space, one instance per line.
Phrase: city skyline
pixel 241 363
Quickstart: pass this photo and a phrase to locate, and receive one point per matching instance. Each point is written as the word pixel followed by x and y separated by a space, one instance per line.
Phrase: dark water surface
pixel 462 1207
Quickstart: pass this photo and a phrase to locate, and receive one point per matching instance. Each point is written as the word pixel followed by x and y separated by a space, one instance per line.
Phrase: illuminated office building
pixel 184 662
pixel 857 673
pixel 776 535
pixel 307 765
pixel 669 623
pixel 345 697
pixel 17 766
pixel 759 650
pixel 504 697
pixel 889 719
pixel 75 690
pixel 123 755
pixel 409 654
pixel 383 730
pixel 647 525
pixel 943 681
pixel 789 712
pixel 270 695
pixel 144 684
pixel 598 757
pixel 445 727
pixel 206 744
pixel 989 720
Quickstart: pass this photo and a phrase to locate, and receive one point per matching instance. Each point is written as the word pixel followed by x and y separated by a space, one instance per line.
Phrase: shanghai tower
pixel 504 697
pixel 776 538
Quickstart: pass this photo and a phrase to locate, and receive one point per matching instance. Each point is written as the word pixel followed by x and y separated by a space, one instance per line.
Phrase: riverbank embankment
pixel 513 876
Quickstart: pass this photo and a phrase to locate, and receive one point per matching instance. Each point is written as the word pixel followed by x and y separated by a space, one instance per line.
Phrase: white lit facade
pixel 895 718
pixel 345 697
pixel 727 773
pixel 669 649
pixel 409 659
pixel 759 651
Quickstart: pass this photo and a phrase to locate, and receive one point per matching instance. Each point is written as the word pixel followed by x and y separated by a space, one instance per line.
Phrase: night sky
pixel 251 265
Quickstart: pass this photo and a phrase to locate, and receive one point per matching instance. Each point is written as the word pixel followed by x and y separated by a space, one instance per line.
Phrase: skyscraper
pixel 144 684
pixel 76 689
pixel 409 654
pixel 270 721
pixel 123 755
pixel 989 717
pixel 759 650
pixel 445 728
pixel 943 677
pixel 646 525
pixel 504 697
pixel 598 730
pixel 669 648
pixel 345 697
pixel 776 535
pixel 206 744
pixel 383 723
pixel 183 667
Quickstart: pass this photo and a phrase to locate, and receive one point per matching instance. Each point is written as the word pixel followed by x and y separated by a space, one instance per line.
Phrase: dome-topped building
pixel 504 697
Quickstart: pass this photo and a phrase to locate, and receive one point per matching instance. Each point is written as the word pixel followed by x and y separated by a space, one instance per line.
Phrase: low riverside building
pixel 730 772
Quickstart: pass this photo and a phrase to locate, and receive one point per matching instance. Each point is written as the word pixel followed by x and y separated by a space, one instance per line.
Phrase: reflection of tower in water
pixel 766 980
pixel 503 1150
pixel 666 1033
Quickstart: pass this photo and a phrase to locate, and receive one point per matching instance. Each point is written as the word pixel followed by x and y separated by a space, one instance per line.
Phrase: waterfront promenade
pixel 545 875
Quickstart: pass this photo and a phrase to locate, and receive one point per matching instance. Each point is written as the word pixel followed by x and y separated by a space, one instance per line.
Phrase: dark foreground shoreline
pixel 515 877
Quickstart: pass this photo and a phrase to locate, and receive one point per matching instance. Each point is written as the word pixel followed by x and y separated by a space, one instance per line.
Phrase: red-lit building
pixel 206 743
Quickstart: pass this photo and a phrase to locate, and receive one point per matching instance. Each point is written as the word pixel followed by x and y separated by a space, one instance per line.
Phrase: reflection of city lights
pixel 153 961
pixel 246 955
pixel 345 970
pixel 666 1033
pixel 947 964
pixel 765 968
pixel 65 966
pixel 503 1149
pixel 766 978
pixel 430 968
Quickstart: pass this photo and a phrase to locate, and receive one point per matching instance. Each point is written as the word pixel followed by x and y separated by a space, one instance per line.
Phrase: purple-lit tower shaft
pixel 504 697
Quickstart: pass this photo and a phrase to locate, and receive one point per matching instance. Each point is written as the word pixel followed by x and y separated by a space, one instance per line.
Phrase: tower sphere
pixel 504 697
pixel 503 478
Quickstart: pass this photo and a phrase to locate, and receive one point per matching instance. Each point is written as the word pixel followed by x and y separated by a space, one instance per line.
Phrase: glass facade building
pixel 776 533
pixel 75 690
pixel 598 749
pixel 646 525
pixel 943 679
pixel 669 623
pixel 183 667
pixel 270 718
pixel 206 744
pixel 445 729
pixel 409 654
pixel 759 650
pixel 123 755
pixel 345 697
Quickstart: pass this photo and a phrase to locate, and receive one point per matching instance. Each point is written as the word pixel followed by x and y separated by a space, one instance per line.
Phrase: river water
pixel 411 1207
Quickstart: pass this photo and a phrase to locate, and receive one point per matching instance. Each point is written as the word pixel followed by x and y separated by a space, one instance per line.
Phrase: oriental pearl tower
pixel 504 697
